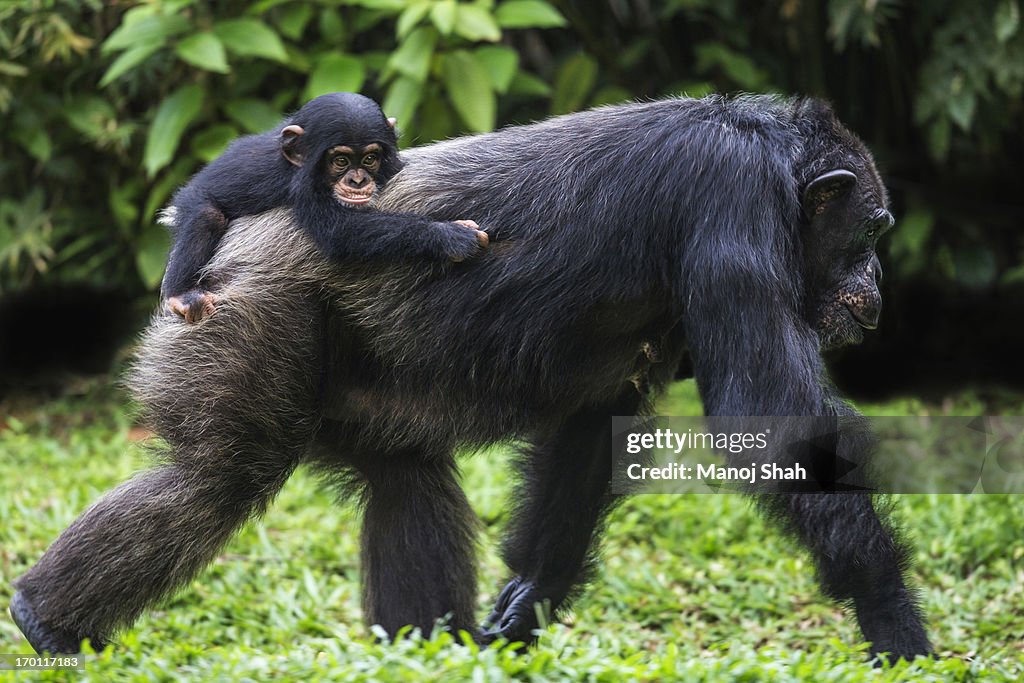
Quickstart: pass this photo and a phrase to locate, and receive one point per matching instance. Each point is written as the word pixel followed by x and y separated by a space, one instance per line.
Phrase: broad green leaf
pixel 443 16
pixel 413 56
pixel 146 30
pixel 1007 20
pixel 403 97
pixel 410 17
pixel 205 51
pixel 501 64
pixel 13 69
pixel 169 181
pixel 36 142
pixel 961 108
pixel 383 5
pixel 90 116
pixel 335 73
pixel 939 135
pixel 128 60
pixel 475 23
pixel 151 255
pixel 574 81
pixel 124 203
pixel 528 14
pixel 612 94
pixel 470 91
pixel 294 19
pixel 250 38
pixel 172 118
pixel 254 116
pixel 211 142
pixel 331 23
pixel 527 84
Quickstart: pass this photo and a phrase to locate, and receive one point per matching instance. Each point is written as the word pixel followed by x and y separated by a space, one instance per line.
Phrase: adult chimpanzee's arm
pixel 754 354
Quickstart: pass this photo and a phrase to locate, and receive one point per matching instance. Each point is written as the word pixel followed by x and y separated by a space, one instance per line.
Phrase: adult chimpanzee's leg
pixel 418 542
pixel 563 499
pixel 135 545
pixel 858 559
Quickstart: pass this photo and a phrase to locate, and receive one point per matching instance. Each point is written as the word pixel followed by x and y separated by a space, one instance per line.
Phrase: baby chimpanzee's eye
pixel 371 159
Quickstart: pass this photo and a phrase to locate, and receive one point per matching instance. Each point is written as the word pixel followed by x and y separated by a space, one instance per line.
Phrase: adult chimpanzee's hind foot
pixel 41 636
pixel 891 621
pixel 514 616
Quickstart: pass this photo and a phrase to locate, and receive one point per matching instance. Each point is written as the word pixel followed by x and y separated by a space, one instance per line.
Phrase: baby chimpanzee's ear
pixel 290 147
pixel 392 121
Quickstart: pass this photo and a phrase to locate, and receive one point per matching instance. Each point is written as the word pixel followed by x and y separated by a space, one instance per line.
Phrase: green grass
pixel 692 588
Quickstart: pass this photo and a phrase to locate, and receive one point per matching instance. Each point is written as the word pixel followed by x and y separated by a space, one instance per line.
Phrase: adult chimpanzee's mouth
pixel 866 319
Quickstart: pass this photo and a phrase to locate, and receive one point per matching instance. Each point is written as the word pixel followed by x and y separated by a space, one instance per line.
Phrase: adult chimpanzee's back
pixel 737 233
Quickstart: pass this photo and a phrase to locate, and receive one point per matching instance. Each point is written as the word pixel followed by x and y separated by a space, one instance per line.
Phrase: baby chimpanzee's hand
pixel 462 239
pixel 193 305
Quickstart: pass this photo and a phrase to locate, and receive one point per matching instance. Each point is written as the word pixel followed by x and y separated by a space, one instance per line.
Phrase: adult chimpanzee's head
pixel 845 211
pixel 344 145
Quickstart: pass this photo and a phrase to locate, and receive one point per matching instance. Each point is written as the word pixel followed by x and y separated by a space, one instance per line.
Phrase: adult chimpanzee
pixel 738 231
pixel 330 157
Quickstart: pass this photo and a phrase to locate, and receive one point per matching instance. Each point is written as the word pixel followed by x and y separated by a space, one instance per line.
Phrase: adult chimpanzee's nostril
pixel 875 269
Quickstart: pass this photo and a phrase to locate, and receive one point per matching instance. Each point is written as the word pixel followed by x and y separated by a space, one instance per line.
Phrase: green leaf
pixel 13 69
pixel 151 255
pixel 294 19
pixel 501 64
pixel 413 56
pixel 443 16
pixel 939 134
pixel 1007 20
pixel 172 118
pixel 961 108
pixel 403 97
pixel 128 60
pixel 331 23
pixel 335 73
pixel 528 14
pixel 169 181
pixel 144 30
pixel 527 84
pixel 475 23
pixel 612 94
pixel 574 81
pixel 36 142
pixel 90 116
pixel 205 51
pixel 470 91
pixel 251 38
pixel 211 142
pixel 254 116
pixel 410 17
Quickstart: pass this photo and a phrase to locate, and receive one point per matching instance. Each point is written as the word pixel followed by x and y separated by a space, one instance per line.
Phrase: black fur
pixel 255 174
pixel 628 238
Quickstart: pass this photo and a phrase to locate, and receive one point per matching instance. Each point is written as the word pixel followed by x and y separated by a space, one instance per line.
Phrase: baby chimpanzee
pixel 327 161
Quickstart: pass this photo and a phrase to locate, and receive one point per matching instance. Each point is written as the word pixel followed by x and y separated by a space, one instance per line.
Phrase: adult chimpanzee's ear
pixel 826 188
pixel 289 143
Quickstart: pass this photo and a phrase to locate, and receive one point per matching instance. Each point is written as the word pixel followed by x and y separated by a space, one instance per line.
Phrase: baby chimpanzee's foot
pixel 193 305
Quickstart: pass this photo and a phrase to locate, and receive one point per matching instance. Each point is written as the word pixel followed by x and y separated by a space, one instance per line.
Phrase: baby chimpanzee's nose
pixel 358 178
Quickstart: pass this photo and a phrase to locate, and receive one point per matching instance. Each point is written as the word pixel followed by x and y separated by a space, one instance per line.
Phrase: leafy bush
pixel 111 106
